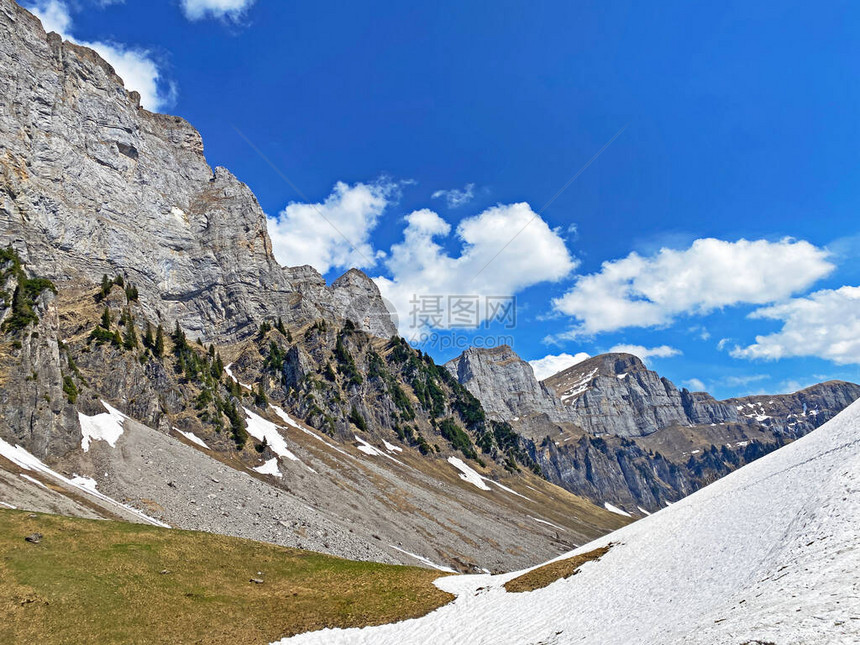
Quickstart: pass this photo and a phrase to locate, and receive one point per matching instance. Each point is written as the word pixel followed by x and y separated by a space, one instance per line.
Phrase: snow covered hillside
pixel 769 554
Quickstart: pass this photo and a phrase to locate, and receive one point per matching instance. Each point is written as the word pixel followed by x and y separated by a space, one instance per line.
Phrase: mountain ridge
pixel 616 432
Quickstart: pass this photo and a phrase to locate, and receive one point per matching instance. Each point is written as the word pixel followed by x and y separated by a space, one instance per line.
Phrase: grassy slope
pixel 549 573
pixel 92 581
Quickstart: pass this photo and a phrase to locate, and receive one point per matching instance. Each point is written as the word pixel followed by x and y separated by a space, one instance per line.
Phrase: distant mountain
pixel 616 432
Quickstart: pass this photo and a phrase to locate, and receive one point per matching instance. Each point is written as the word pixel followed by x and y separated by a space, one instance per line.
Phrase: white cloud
pixel 646 353
pixel 53 14
pixel 639 291
pixel 746 379
pixel 456 197
pixel 335 233
pixel 200 9
pixel 555 363
pixel 137 67
pixel 825 324
pixel 695 385
pixel 421 268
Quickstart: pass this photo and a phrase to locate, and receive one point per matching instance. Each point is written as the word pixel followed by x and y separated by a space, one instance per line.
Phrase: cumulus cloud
pixel 137 67
pixel 334 233
pixel 421 269
pixel 200 9
pixel 695 385
pixel 825 324
pixel 456 197
pixel 639 291
pixel 645 353
pixel 555 363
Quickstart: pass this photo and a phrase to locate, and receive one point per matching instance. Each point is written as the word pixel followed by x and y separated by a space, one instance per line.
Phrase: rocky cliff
pixel 91 184
pixel 614 431
pixel 506 386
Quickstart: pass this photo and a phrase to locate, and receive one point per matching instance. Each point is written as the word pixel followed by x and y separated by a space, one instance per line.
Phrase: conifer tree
pixel 159 341
pixel 129 340
pixel 148 340
pixel 106 318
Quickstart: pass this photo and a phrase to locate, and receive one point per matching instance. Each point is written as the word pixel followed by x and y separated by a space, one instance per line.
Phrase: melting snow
pixel 101 427
pixel 7 505
pixel 424 560
pixel 373 451
pixel 555 526
pixel 643 510
pixel 34 480
pixel 262 429
pixel 759 555
pixel 477 479
pixel 390 447
pixel 20 457
pixel 234 379
pixel 87 483
pixel 467 474
pixel 269 468
pixel 289 420
pixel 579 386
pixel 614 509
pixel 193 438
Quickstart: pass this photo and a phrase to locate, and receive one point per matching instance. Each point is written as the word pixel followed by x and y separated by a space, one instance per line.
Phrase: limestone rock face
pixel 505 385
pixel 616 394
pixel 91 184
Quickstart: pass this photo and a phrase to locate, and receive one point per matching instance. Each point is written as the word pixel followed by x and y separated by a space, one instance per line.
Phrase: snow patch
pixel 263 430
pixel 193 438
pixel 614 509
pixel 475 478
pixel 234 379
pixel 424 560
pixel 555 526
pixel 87 483
pixel 269 468
pixel 289 421
pixel 467 474
pixel 107 426
pixel 390 447
pixel 34 481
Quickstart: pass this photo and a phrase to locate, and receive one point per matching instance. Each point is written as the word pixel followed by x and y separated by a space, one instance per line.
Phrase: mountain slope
pixel 768 554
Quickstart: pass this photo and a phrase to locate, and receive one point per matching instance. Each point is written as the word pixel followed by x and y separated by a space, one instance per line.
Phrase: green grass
pixel 549 573
pixel 92 581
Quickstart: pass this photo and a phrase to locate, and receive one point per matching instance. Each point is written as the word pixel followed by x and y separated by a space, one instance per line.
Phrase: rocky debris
pixel 33 538
pixel 90 184
pixel 256 581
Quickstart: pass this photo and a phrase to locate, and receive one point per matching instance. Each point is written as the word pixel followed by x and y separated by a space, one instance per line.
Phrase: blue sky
pixel 734 181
